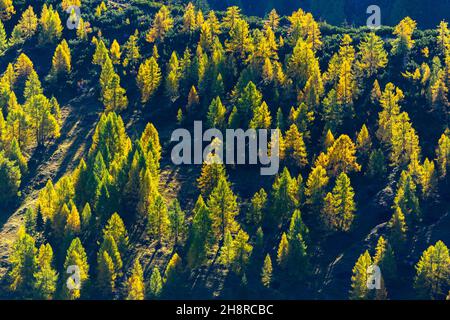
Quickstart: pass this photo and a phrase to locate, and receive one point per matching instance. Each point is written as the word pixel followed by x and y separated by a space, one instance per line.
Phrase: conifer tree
pixel 283 198
pixel 201 235
pixel 76 256
pixel 3 39
pixel 223 205
pixel 257 208
pixel 26 27
pixel 359 289
pixel 172 275
pixel 6 9
pixel 283 252
pixel 443 154
pixel 73 224
pixel 339 205
pixel 266 272
pixel 363 141
pixel 433 269
pixel 61 62
pixel 373 55
pixel 45 275
pixel 131 51
pixel 240 41
pixel 403 30
pixel 385 259
pixel 406 197
pixel 106 275
pixel 261 117
pixel 116 229
pixel 135 283
pixel 115 52
pixel 216 114
pixel 177 221
pixel 189 18
pixel 33 86
pixel 162 23
pixel 109 246
pixel 10 178
pixel 273 20
pixel 156 283
pixel 148 78
pixel 232 15
pixel 315 187
pixel 397 228
pixel 341 156
pixel 114 96
pixel 23 264
pixel 295 146
pixel 158 220
pixel 241 251
pixel 51 26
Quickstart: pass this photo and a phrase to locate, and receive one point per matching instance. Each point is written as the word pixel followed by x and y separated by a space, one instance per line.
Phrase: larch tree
pixel 76 256
pixel 283 198
pixel 3 39
pixel 258 205
pixel 283 252
pixel 373 56
pixel 156 284
pixel 6 9
pixel 201 234
pixel 162 23
pixel 433 272
pixel 114 96
pixel 158 220
pixel 232 15
pixel 406 197
pixel 443 153
pixel 273 20
pixel 359 290
pixel 177 219
pixel 341 156
pixel 266 272
pixel 115 52
pixel 239 43
pixel 397 228
pixel 106 275
pixel 46 276
pixel 403 31
pixel 62 61
pixel 223 205
pixel 116 229
pixel 25 28
pixel 43 122
pixel 340 206
pixel 261 117
pixel 295 148
pixel 131 51
pixel 51 26
pixel 315 187
pixel 241 251
pixel 384 258
pixel 148 78
pixel 135 283
pixel 23 264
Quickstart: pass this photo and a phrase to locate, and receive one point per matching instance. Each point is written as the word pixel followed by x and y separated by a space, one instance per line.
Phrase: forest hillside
pixel 92 205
